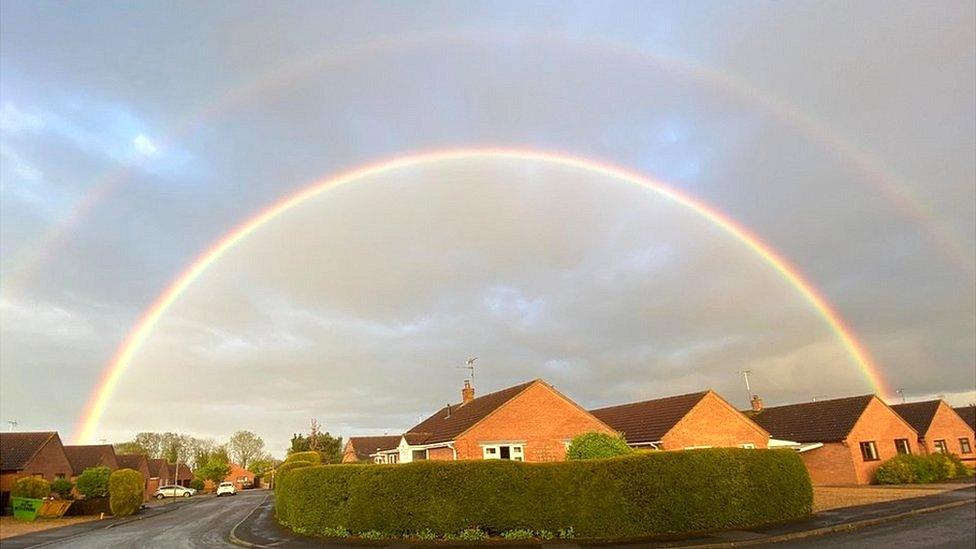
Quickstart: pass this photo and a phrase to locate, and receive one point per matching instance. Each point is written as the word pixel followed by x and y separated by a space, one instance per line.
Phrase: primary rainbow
pixel 140 332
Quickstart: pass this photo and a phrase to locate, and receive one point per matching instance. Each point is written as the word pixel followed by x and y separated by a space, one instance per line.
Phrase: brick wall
pixel 831 464
pixel 882 425
pixel 541 418
pixel 440 454
pixel 714 422
pixel 49 462
pixel 947 425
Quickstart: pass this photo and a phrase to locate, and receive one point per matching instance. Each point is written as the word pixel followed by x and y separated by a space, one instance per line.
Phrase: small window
pixel 902 447
pixel 869 451
pixel 61 476
pixel 940 447
pixel 419 455
pixel 748 446
pixel 964 446
pixel 504 451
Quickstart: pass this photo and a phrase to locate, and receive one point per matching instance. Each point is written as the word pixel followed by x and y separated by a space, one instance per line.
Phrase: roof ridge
pixel 702 393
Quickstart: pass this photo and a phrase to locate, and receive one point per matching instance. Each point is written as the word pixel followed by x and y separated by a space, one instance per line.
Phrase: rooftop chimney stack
pixel 467 393
pixel 757 404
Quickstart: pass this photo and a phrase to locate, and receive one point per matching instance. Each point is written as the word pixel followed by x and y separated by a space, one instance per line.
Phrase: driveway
pixel 203 522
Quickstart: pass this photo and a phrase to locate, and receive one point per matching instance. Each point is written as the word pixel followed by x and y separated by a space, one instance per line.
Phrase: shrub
pixel 373 534
pixel 125 489
pixel 472 534
pixel 198 484
pixel 425 535
pixel 627 496
pixel 311 456
pixel 597 445
pixel 337 532
pixel 62 487
pixel 519 534
pixel 911 469
pixel 545 535
pixel 31 487
pixel 93 482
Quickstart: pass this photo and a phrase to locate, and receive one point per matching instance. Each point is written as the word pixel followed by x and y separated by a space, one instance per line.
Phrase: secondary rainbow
pixel 85 432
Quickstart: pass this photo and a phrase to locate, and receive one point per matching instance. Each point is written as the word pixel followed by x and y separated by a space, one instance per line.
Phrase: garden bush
pixel 93 482
pixel 597 445
pixel 311 456
pixel 638 495
pixel 62 487
pixel 125 489
pixel 198 484
pixel 912 469
pixel 281 504
pixel 31 487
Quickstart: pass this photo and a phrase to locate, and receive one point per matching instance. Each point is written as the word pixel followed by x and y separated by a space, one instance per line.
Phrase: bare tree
pixel 245 446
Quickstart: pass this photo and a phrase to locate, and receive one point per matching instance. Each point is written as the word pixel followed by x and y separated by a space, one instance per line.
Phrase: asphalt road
pixel 949 529
pixel 197 523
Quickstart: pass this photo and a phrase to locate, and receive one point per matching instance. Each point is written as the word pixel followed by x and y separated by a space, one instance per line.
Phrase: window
pixel 869 451
pixel 513 452
pixel 964 446
pixel 902 447
pixel 748 446
pixel 940 447
pixel 419 455
pixel 60 476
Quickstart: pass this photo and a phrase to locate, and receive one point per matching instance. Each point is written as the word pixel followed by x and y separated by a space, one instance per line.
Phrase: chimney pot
pixel 757 403
pixel 467 393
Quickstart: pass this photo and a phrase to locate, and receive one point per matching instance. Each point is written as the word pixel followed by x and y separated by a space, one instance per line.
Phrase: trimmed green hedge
pixel 639 495
pixel 912 469
pixel 311 456
pixel 125 489
pixel 597 445
pixel 281 504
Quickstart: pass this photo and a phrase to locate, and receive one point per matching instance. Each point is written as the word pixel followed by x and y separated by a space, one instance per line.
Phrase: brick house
pixel 90 455
pixel 181 477
pixel 968 414
pixel 364 449
pixel 940 428
pixel 30 454
pixel 158 474
pixel 697 420
pixel 527 422
pixel 140 463
pixel 843 440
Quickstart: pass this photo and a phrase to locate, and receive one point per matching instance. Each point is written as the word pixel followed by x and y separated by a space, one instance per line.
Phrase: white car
pixel 226 488
pixel 173 491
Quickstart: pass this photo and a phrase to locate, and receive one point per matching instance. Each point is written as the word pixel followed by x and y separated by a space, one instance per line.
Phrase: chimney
pixel 467 393
pixel 756 403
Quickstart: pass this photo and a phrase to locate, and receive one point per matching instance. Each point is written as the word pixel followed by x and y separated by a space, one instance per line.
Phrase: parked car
pixel 174 491
pixel 226 488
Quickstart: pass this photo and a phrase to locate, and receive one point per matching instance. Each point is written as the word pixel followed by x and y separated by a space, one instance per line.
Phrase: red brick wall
pixel 948 426
pixel 539 417
pixel 882 425
pixel 49 461
pixel 714 422
pixel 831 464
pixel 349 454
pixel 440 454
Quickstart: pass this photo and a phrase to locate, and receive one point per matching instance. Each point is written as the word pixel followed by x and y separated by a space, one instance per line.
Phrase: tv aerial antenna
pixel 469 365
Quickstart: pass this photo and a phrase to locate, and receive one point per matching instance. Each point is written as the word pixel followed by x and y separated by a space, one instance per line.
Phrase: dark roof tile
pixel 365 446
pixel 819 421
pixel 131 461
pixel 918 414
pixel 90 455
pixel 454 419
pixel 649 420
pixel 968 414
pixel 17 449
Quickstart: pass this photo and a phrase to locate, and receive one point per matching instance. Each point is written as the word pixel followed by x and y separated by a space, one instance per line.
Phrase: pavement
pixel 946 519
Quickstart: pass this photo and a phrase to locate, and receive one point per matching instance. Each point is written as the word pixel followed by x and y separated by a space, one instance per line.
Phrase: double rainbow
pixel 85 431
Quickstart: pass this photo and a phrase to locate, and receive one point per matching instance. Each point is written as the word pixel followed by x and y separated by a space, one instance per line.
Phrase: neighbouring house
pixel 528 422
pixel 841 441
pixel 140 463
pixel 968 414
pixel 30 454
pixel 90 455
pixel 696 420
pixel 241 477
pixel 940 428
pixel 182 477
pixel 158 474
pixel 374 448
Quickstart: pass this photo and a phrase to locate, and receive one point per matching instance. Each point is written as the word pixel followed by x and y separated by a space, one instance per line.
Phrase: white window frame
pixel 516 451
pixel 747 446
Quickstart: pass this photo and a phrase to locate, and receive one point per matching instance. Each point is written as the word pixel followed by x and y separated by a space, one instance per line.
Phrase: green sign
pixel 26 508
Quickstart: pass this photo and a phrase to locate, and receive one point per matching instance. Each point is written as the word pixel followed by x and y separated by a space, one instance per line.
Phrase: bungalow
pixel 140 463
pixel 940 428
pixel 527 422
pixel 696 420
pixel 363 449
pixel 30 454
pixel 182 476
pixel 91 455
pixel 968 414
pixel 158 475
pixel 841 441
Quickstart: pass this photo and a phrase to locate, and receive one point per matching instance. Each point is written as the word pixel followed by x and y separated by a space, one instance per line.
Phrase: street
pixel 203 523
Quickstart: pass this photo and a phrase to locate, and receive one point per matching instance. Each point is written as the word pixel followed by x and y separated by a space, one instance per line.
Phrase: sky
pixel 133 136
